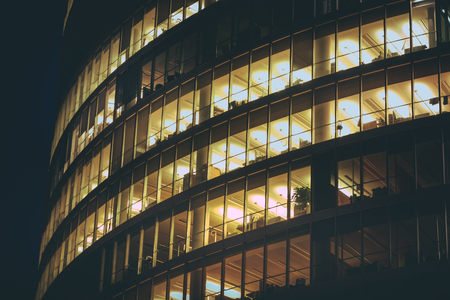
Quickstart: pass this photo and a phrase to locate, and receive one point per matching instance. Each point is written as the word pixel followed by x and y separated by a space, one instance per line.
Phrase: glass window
pixel 224 26
pixel 299 256
pixel 194 279
pixel 300 192
pixel 92 114
pixel 423 25
pixel 276 263
pixel 218 150
pixel 155 122
pixel 152 182
pixel 261 17
pixel 123 201
pixel 81 230
pixel 428 157
pixel 125 41
pixel 121 245
pixel 100 231
pixel 162 253
pixel 374 168
pixel 399 94
pixel 149 23
pixel 348 115
pixel 235 207
pixel 202 97
pixel 105 60
pixel 323 250
pixel 111 98
pixel 254 261
pixel 147 71
pixel 301 120
pixel 170 114
pixel 186 104
pixel 373 100
pixel 133 253
pixel 324 114
pixel 189 51
pixel 279 127
pixel 192 8
pixel 176 284
pixel 214 215
pixel 147 246
pixel 100 117
pixel 179 223
pixel 167 165
pixel 302 57
pixel 159 289
pixel 239 81
pixel 163 14
pixel 160 70
pixel 397 29
pixel 137 191
pixel 256 201
pixel 280 65
pixel 403 226
pixel 142 131
pixel 197 217
pixel 401 163
pixel 114 53
pixel 233 273
pixel 182 177
pixel 213 276
pixel 173 62
pixel 375 239
pixel 116 161
pixel 426 91
pixel 128 147
pixel 200 158
pixel 176 16
pixel 349 175
pixel 113 191
pixel 324 48
pixel 445 83
pixel 136 32
pixel 348 43
pixel 90 222
pixel 278 193
pixel 348 245
pixel 221 89
pixel 257 135
pixel 324 180
pixel 259 73
pixel 105 156
pixel 85 176
pixel 372 35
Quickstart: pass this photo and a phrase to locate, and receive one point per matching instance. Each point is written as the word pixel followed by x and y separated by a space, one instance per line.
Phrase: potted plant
pixel 301 197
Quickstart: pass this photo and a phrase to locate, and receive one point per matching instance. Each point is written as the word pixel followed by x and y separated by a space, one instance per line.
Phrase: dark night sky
pixel 31 38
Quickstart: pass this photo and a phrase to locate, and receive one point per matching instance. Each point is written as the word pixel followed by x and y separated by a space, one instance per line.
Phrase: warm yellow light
pixel 136 207
pixel 259 136
pixel 181 171
pixel 233 213
pixel 349 109
pixel 300 76
pixel 260 77
pixel 282 191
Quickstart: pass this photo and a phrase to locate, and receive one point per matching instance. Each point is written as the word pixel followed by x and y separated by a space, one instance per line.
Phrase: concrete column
pixel 322 53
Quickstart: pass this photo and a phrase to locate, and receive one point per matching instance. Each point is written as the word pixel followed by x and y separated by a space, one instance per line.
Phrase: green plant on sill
pixel 301 196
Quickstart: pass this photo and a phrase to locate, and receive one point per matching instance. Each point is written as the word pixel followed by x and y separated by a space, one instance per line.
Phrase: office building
pixel 250 150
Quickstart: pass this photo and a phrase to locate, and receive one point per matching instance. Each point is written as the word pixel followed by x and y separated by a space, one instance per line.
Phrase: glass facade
pixel 290 154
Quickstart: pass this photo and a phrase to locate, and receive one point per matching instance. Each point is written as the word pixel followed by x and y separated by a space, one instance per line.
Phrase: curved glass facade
pixel 262 155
